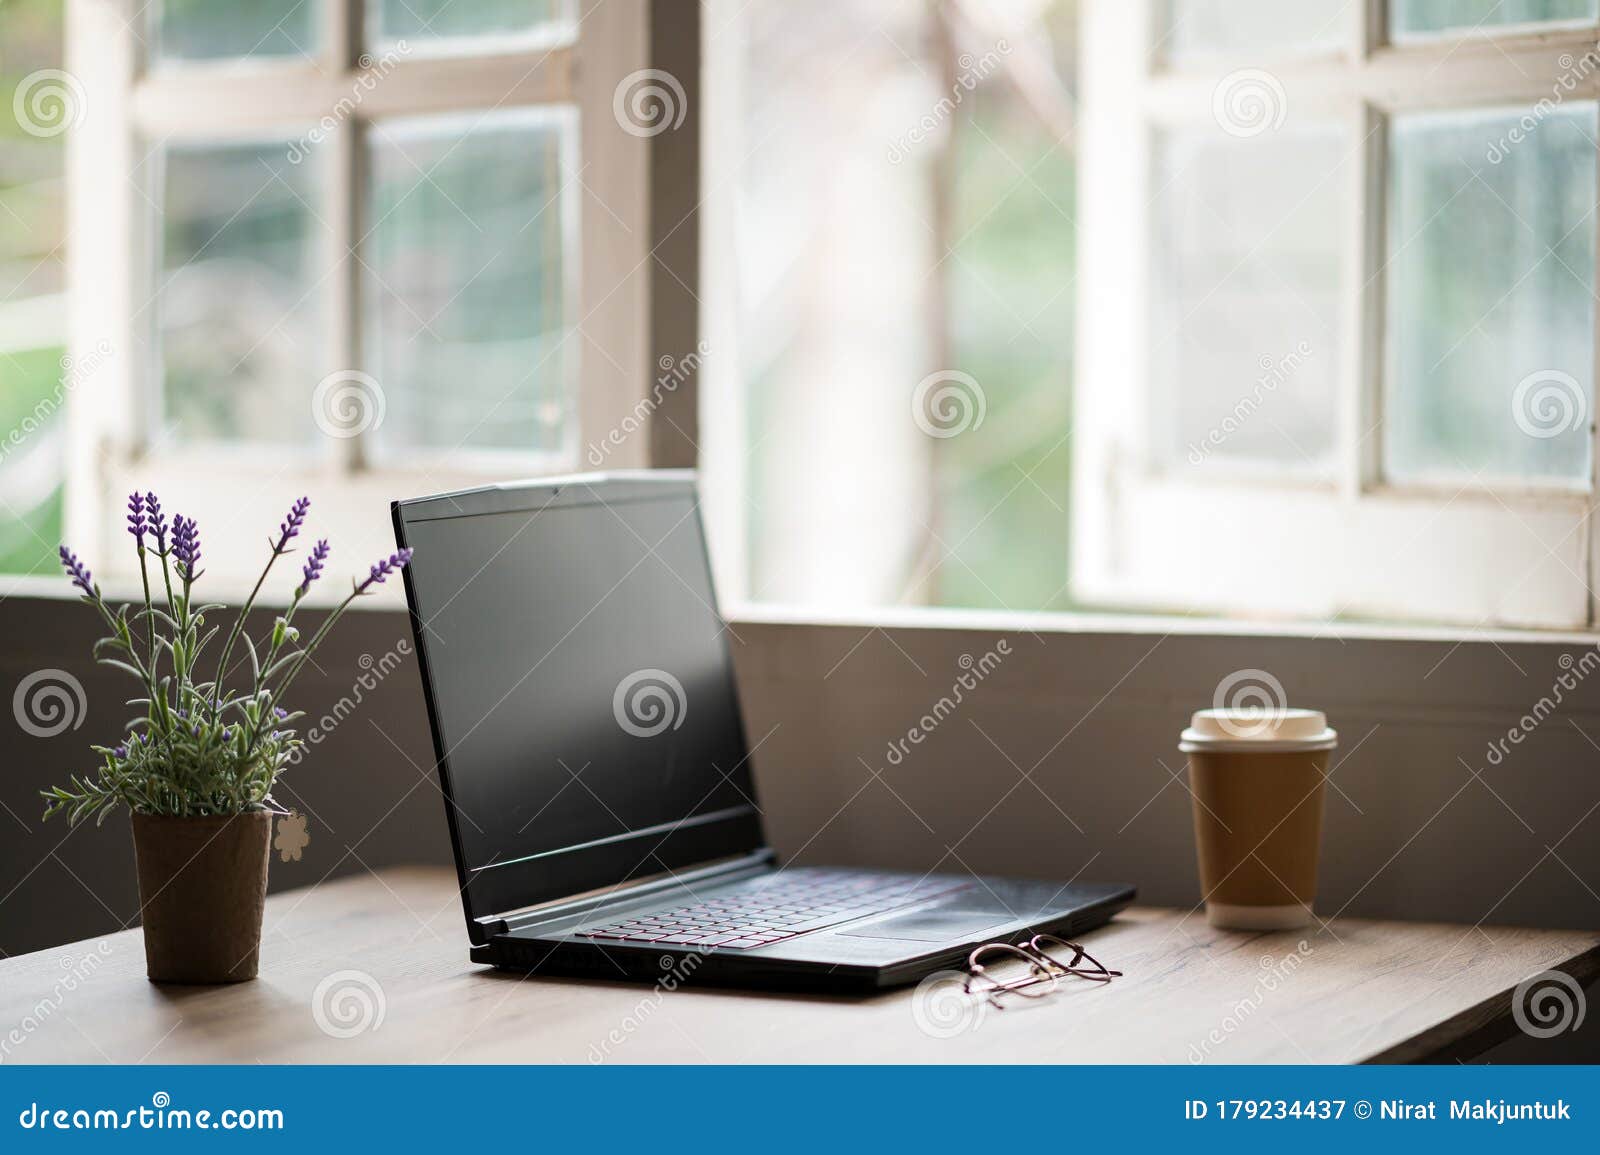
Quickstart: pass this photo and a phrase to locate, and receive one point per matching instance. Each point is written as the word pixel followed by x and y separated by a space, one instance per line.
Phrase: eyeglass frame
pixel 1043 967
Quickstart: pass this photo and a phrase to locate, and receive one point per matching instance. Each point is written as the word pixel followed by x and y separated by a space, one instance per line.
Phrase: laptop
pixel 596 773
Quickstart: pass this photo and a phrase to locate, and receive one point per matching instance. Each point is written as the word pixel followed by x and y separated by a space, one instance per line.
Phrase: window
pixel 1338 358
pixel 890 217
pixel 1276 309
pixel 352 248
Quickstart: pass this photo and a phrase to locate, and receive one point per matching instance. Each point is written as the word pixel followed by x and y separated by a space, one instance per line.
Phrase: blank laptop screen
pixel 580 680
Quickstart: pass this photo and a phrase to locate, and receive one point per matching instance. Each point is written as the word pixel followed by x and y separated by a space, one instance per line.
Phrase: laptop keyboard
pixel 772 909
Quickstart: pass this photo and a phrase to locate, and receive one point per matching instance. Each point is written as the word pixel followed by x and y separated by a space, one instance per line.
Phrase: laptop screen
pixel 581 691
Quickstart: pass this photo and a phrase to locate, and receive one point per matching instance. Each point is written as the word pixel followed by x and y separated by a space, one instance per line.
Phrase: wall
pixel 1061 763
pixel 368 789
pixel 1065 760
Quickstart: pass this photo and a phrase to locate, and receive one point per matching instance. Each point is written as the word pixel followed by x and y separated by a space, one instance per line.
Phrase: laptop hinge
pixel 724 870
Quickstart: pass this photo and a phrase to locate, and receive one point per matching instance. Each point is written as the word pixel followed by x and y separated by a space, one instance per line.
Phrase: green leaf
pixel 166 619
pixel 255 660
pixel 272 670
pixel 117 663
pixel 211 633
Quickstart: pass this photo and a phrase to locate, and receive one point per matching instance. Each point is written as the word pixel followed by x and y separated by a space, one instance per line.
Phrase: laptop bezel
pixel 488 894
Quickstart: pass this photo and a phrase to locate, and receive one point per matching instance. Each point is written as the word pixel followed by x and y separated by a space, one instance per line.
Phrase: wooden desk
pixel 1357 991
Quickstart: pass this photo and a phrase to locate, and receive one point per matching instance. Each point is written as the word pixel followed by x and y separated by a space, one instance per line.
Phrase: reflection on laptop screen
pixel 579 675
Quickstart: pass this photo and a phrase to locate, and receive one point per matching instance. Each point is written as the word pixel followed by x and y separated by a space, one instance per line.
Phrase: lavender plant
pixel 198 747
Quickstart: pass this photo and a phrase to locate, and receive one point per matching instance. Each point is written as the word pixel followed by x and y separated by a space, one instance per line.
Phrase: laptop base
pixel 875 953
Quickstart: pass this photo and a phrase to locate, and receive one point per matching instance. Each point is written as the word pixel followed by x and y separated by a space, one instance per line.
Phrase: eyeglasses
pixel 1043 953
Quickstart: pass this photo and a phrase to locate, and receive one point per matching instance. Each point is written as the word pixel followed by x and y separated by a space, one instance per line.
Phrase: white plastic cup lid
pixel 1258 728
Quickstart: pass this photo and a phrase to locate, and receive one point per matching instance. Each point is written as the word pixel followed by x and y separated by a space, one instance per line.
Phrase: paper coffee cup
pixel 1257 778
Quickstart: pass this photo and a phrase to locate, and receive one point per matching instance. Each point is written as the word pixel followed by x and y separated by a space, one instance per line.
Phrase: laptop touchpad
pixel 933 925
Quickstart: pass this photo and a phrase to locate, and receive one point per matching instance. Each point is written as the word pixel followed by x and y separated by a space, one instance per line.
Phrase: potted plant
pixel 199 758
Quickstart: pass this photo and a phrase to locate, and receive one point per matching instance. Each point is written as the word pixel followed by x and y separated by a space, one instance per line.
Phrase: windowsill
pixel 1017 621
pixel 119 590
pixel 391 598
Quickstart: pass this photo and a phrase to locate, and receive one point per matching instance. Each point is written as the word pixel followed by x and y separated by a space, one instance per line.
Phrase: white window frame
pixel 238 491
pixel 1360 547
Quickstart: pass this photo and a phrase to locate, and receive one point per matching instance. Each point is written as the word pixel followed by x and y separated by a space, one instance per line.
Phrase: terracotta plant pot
pixel 202 888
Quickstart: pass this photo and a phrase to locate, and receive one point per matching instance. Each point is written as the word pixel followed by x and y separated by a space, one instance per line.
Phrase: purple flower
pixel 384 568
pixel 156 521
pixel 279 713
pixel 186 546
pixel 291 524
pixel 313 567
pixel 81 577
pixel 136 524
pixel 120 752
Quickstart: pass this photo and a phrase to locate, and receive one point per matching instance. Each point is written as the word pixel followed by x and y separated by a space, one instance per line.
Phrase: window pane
pixel 902 250
pixel 1490 305
pixel 1245 313
pixel 467 288
pixel 237 305
pixel 207 30
pixel 34 387
pixel 1411 17
pixel 1195 29
pixel 422 20
pixel 35 381
pixel 1010 296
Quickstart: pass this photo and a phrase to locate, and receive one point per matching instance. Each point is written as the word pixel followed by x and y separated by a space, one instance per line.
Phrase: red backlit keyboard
pixel 774 908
